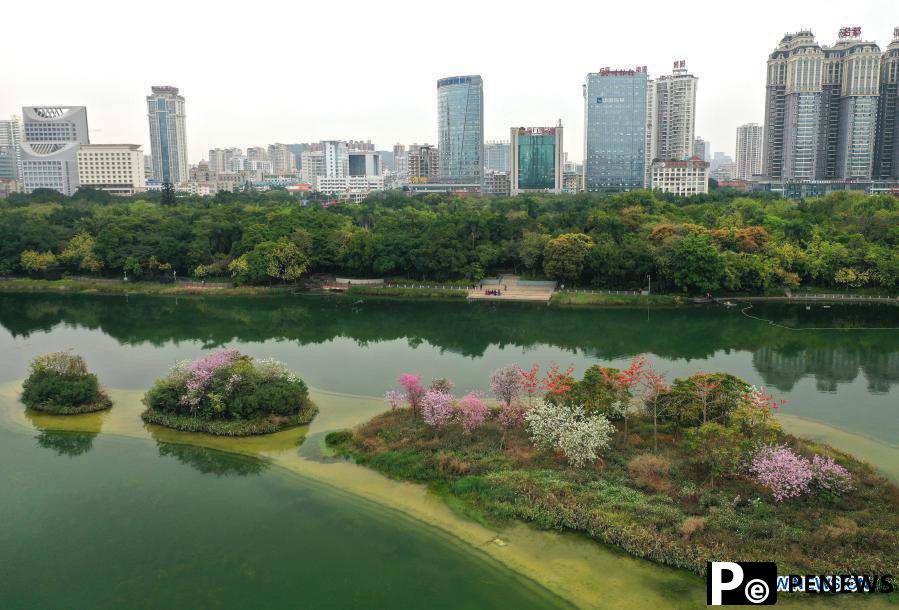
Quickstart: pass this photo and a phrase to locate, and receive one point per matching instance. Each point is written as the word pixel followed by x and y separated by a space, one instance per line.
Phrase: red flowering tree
pixel 705 386
pixel 652 384
pixel 623 383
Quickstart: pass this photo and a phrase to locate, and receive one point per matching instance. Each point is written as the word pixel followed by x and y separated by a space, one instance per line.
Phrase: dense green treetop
pixel 722 241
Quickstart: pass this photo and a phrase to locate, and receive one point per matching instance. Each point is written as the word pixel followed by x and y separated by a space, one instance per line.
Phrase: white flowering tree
pixel 578 435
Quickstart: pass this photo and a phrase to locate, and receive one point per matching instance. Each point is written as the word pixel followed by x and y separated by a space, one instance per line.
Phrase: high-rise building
pixel 336 158
pixel 702 149
pixel 114 168
pixel 460 129
pixel 400 163
pixel 886 145
pixel 670 117
pixel 360 145
pixel 749 150
pixel 312 165
pixel 821 108
pixel 614 129
pixel 283 162
pixel 496 156
pixel 52 136
pixel 168 139
pixel 536 159
pixel 11 148
pixel 424 163
pixel 221 159
pixel 259 153
pixel 792 108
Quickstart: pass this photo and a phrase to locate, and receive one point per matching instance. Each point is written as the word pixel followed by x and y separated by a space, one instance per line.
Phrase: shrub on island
pixel 60 383
pixel 229 394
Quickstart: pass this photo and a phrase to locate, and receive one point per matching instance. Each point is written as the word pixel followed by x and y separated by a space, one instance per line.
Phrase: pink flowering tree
pixel 200 372
pixel 511 415
pixel 505 383
pixel 830 476
pixel 472 411
pixel 437 408
pixel 785 474
pixel 394 399
pixel 414 390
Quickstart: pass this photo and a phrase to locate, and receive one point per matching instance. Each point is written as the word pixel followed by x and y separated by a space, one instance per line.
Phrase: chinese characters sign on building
pixel 850 32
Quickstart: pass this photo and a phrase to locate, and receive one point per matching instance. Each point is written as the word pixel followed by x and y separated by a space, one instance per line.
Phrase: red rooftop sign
pixel 850 32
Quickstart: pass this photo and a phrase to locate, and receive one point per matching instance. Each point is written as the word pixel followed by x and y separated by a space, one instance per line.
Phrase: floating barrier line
pixel 773 323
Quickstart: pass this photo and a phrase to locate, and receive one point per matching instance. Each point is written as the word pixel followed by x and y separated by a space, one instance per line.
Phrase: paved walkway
pixel 510 289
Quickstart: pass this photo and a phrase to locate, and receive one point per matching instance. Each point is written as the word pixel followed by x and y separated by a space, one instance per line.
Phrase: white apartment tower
pixel 749 150
pixel 168 140
pixel 11 148
pixel 670 117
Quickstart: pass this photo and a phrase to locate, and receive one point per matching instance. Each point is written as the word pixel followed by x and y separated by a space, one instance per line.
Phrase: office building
pixel 670 116
pixel 114 168
pixel 886 144
pixel 749 151
pixel 168 140
pixel 496 156
pixel 364 163
pixel 536 159
pixel 460 129
pixel 684 178
pixel 614 129
pixel 52 136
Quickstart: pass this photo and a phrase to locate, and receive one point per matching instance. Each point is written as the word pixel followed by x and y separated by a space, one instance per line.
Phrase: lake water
pixel 100 520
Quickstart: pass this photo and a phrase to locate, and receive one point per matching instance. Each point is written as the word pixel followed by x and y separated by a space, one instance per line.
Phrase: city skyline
pixel 277 103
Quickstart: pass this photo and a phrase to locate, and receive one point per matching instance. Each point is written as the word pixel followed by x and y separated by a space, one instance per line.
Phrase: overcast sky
pixel 253 74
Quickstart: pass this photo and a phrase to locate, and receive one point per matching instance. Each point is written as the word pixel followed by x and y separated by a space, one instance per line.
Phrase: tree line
pixel 726 240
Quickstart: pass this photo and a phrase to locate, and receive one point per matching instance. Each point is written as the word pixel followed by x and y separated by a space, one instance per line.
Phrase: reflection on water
pixel 70 444
pixel 210 461
pixel 843 377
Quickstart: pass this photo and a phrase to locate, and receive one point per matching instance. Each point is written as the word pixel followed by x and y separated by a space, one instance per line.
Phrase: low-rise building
pixel 7 187
pixel 497 183
pixel 690 177
pixel 114 168
pixel 349 188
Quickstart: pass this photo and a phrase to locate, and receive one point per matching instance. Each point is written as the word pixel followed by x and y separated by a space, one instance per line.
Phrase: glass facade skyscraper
pixel 615 130
pixel 536 159
pixel 460 129
pixel 168 144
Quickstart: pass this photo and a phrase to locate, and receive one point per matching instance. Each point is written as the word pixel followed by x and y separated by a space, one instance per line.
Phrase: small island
pixel 680 472
pixel 59 383
pixel 229 394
